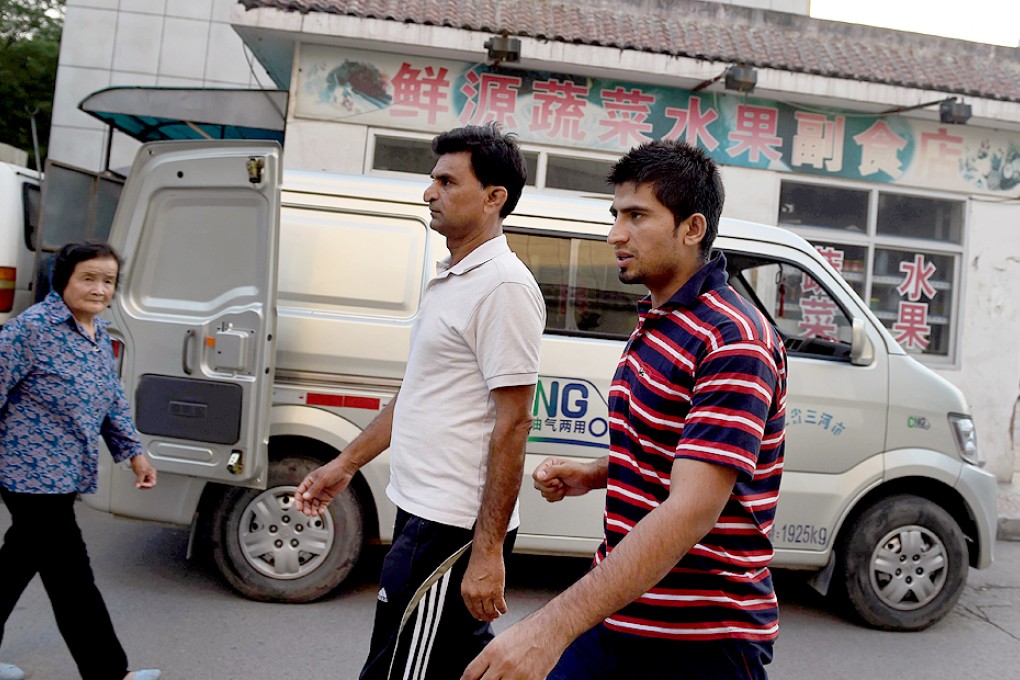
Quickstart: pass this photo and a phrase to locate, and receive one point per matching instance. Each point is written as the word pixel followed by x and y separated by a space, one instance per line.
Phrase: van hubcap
pixel 280 542
pixel 908 568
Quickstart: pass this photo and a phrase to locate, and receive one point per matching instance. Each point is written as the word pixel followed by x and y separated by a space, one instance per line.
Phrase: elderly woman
pixel 59 392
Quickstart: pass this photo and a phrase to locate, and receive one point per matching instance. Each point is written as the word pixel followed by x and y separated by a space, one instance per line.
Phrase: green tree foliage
pixel 29 48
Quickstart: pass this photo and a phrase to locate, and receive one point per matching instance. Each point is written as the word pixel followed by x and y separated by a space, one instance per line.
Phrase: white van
pixel 19 217
pixel 244 377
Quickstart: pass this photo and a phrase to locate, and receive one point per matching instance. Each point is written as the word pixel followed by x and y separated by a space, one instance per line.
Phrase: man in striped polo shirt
pixel 680 587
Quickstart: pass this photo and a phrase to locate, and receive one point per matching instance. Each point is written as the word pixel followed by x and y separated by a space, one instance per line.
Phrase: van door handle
pixel 186 351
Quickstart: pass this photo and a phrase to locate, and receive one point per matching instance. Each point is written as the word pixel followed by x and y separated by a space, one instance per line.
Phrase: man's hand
pixel 556 478
pixel 482 587
pixel 321 486
pixel 145 474
pixel 524 651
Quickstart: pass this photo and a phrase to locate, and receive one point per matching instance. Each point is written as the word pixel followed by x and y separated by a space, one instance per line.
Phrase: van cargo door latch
pixel 235 465
pixel 255 167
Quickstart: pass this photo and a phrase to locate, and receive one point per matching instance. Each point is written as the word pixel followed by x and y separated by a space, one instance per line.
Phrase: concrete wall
pixel 989 372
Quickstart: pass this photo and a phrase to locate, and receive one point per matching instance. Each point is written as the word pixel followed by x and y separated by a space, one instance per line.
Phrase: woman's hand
pixel 145 474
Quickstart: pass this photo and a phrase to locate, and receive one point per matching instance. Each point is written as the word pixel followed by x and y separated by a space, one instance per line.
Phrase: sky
pixel 996 22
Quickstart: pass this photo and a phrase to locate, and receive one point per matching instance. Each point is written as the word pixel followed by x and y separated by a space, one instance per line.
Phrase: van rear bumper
pixel 980 490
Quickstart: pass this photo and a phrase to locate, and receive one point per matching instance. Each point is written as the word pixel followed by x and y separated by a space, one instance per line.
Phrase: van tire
pixel 928 543
pixel 269 552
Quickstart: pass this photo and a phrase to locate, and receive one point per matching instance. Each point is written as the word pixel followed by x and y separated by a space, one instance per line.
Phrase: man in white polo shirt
pixel 456 430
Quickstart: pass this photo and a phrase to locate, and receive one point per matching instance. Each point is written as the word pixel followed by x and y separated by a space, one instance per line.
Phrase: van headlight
pixel 966 438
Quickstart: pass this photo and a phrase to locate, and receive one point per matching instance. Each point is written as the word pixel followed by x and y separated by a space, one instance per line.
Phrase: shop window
pixel 414 155
pixel 905 260
pixel 912 294
pixel 400 154
pixel 578 174
pixel 920 217
pixel 410 154
pixel 811 205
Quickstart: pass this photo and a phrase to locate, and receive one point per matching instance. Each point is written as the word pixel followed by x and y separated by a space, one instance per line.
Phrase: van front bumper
pixel 981 492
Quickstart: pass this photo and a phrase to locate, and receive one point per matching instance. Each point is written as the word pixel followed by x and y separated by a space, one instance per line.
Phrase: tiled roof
pixel 715 32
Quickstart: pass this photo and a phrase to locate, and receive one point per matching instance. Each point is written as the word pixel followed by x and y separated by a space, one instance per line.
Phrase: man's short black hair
pixel 495 158
pixel 683 178
pixel 72 254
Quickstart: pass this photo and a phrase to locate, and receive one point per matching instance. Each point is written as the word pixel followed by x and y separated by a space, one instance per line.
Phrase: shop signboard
pixel 431 95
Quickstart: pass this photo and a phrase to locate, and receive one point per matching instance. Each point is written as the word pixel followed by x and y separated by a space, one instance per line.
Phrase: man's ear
pixel 696 226
pixel 495 198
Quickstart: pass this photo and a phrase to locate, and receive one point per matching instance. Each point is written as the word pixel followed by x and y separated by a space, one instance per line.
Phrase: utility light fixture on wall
pixel 952 111
pixel 502 48
pixel 738 77
pixel 741 78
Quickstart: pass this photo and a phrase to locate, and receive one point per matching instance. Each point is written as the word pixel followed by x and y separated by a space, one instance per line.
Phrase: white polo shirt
pixel 478 328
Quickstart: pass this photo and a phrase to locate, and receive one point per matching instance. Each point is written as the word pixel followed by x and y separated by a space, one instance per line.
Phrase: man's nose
pixel 616 234
pixel 430 193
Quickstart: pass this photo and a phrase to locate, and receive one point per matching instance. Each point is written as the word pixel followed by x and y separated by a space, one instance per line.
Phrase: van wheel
pixel 905 564
pixel 270 552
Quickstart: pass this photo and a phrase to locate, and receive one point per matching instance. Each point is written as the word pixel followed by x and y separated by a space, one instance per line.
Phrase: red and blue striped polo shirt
pixel 702 377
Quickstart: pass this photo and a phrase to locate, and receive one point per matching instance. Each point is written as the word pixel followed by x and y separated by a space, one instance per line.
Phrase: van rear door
pixel 198 228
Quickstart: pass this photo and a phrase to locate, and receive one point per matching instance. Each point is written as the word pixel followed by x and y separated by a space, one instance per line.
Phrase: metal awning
pixel 151 114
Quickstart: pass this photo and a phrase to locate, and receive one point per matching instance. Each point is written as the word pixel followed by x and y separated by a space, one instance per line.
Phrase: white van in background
pixel 19 218
pixel 264 329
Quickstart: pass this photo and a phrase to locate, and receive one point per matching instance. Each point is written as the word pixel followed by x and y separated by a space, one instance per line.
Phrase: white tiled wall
pixel 174 43
pixel 183 48
pixel 190 9
pixel 135 50
pixel 145 6
pixel 87 45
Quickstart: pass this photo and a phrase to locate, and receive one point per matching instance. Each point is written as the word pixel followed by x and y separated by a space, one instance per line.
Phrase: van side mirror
pixel 862 352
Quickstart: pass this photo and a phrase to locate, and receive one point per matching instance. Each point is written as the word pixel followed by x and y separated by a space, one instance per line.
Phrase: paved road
pixel 179 616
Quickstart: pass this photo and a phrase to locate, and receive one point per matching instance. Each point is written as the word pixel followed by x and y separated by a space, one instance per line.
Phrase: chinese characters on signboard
pixel 431 95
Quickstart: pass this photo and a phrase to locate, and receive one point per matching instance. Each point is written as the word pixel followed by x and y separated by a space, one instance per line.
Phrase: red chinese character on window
pixel 693 124
pixel 627 111
pixel 940 154
pixel 755 133
pixel 911 328
pixel 833 257
pixel 819 141
pixel 559 108
pixel 917 281
pixel 490 97
pixel 818 318
pixel 415 92
pixel 879 149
